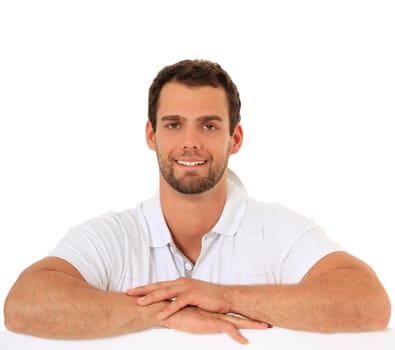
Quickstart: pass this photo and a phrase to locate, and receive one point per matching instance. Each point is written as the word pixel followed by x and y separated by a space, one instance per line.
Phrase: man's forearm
pixel 339 293
pixel 326 304
pixel 54 305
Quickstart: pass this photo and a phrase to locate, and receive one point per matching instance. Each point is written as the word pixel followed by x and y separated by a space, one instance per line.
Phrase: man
pixel 200 256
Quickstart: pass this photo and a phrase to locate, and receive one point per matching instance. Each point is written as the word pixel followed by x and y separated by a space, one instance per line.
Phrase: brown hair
pixel 195 73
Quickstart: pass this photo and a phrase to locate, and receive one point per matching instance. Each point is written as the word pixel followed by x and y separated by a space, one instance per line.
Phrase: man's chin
pixel 191 185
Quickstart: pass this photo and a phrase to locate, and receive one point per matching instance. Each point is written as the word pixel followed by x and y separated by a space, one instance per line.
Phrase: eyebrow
pixel 203 118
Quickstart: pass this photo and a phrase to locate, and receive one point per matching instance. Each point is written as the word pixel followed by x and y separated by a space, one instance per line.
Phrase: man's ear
pixel 150 136
pixel 237 139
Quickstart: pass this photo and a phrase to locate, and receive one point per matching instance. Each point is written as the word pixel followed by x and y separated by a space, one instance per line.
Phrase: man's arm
pixel 52 300
pixel 339 293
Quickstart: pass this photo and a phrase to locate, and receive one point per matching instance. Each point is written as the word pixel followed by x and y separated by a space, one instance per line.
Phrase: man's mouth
pixel 194 163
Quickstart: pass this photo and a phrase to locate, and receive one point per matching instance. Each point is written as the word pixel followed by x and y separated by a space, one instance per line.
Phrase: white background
pixel 317 82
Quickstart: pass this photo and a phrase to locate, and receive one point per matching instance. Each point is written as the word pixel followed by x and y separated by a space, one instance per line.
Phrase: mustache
pixel 189 153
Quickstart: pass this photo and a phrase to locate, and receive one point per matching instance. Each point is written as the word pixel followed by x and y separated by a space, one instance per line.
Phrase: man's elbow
pixel 379 314
pixel 13 320
pixel 384 316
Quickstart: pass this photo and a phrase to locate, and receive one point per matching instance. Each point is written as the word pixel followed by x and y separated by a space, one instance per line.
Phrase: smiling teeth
pixel 182 162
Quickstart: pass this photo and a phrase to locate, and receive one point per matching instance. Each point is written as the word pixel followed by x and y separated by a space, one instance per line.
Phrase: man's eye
pixel 172 125
pixel 209 127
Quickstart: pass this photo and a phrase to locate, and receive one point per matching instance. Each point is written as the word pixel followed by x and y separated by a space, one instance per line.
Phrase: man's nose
pixel 191 140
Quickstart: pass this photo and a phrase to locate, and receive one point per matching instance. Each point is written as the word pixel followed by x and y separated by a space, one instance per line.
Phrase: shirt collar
pixel 158 233
pixel 235 206
pixel 228 223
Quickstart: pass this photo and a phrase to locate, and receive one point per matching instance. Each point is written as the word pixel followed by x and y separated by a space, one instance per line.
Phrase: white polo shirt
pixel 252 243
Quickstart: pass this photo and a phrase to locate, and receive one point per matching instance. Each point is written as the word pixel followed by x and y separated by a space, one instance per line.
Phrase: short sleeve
pixel 294 243
pixel 91 248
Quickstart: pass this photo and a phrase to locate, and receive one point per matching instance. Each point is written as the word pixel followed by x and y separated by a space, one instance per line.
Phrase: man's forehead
pixel 205 103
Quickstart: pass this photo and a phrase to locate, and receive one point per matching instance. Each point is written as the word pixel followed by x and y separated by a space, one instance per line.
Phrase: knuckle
pixel 228 327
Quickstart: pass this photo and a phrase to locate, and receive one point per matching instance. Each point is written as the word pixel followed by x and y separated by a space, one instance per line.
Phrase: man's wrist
pixel 158 307
pixel 230 296
pixel 148 314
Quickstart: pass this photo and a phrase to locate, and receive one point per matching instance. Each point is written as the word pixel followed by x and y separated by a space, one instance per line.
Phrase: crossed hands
pixel 196 307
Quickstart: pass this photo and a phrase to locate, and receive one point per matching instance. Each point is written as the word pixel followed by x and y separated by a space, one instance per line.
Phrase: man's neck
pixel 190 217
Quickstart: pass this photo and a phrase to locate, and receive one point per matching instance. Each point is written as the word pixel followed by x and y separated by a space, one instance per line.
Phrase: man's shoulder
pixel 273 217
pixel 112 223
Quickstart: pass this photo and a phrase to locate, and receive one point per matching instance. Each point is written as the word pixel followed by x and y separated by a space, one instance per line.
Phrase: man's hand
pixel 197 307
pixel 184 291
pixel 197 321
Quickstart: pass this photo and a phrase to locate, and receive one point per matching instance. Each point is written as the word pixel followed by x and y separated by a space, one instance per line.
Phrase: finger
pixel 241 322
pixel 255 325
pixel 168 293
pixel 143 290
pixel 176 305
pixel 133 292
pixel 235 334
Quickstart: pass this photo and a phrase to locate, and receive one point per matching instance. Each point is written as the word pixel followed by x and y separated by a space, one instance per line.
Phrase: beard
pixel 190 182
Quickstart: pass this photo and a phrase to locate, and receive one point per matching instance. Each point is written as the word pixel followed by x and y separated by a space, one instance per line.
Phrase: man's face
pixel 192 139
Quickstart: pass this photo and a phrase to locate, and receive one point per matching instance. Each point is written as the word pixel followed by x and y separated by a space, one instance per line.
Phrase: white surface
pixel 276 338
pixel 316 80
